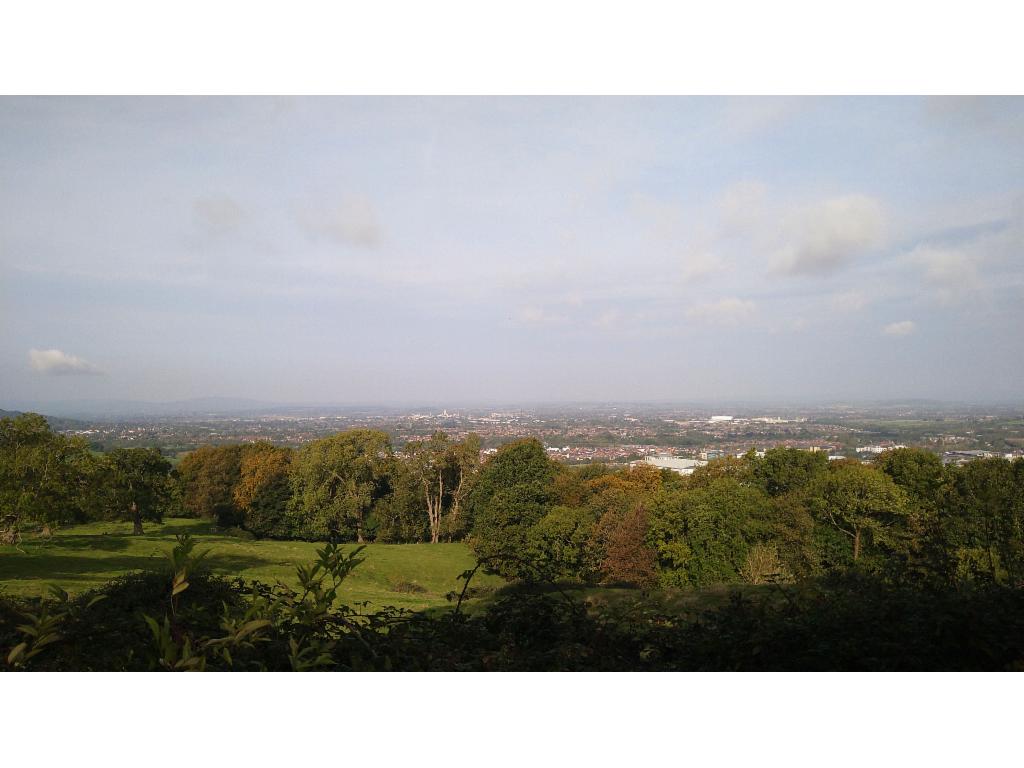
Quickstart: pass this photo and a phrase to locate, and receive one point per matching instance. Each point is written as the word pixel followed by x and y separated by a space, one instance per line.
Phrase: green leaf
pixel 252 626
pixel 16 653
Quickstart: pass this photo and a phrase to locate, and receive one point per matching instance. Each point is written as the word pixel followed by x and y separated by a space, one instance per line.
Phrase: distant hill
pixel 56 422
pixel 103 409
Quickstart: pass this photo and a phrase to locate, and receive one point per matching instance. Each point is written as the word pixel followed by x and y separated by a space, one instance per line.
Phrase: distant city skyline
pixel 518 250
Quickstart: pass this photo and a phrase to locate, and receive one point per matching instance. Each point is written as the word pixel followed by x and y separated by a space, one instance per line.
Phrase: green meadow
pixel 79 558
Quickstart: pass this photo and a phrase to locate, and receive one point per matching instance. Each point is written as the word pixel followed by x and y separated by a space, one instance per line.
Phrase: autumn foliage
pixel 627 557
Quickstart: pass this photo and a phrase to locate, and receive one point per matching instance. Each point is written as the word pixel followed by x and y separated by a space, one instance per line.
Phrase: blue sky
pixel 445 250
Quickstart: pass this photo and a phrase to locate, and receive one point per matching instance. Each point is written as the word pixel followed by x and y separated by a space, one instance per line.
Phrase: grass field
pixel 82 557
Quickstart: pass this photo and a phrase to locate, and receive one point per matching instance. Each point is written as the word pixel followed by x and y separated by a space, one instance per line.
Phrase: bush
pixel 855 621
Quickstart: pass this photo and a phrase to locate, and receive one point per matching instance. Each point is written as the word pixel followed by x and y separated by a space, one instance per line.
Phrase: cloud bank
pixel 826 236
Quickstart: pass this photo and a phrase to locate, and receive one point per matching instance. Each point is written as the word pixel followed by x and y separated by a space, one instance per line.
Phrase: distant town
pixel 670 436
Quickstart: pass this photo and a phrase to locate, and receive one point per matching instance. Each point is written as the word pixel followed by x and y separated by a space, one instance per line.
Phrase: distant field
pixel 82 557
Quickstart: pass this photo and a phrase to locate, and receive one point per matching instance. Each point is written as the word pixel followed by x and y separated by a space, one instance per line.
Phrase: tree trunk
pixel 136 520
pixel 359 529
pixel 434 512
pixel 453 516
pixel 856 544
pixel 435 532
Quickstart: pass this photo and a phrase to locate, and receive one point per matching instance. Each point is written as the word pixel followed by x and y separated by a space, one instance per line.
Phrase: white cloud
pixel 728 311
pixel 353 221
pixel 953 273
pixel 53 362
pixel 824 237
pixel 901 328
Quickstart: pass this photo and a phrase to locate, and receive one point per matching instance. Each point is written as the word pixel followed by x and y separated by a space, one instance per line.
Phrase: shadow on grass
pixel 199 528
pixel 94 542
pixel 67 570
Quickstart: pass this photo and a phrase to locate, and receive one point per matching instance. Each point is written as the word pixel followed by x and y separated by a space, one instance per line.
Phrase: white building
pixel 676 464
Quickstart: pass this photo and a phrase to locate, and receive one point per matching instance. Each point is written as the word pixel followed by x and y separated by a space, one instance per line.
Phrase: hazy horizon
pixel 103 409
pixel 517 250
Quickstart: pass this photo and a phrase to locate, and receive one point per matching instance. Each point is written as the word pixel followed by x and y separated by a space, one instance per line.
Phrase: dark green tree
pixel 863 504
pixel 702 536
pixel 916 471
pixel 399 514
pixel 561 545
pixel 513 492
pixel 138 485
pixel 983 520
pixel 45 478
pixel 784 470
pixel 336 483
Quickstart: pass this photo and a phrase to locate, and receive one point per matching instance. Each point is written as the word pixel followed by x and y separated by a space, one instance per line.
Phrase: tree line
pixel 785 516
pixel 48 479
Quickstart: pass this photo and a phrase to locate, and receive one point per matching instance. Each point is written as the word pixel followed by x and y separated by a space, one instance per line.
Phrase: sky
pixel 446 250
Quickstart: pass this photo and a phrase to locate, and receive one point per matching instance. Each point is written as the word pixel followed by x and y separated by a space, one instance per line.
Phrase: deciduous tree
pixel 262 492
pixel 513 492
pixel 208 477
pixel 45 478
pixel 138 484
pixel 337 480
pixel 863 504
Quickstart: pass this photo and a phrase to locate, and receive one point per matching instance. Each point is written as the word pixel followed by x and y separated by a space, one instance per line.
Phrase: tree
pixel 208 477
pixel 336 482
pixel 619 493
pixel 138 483
pixel 399 514
pixel 918 472
pixel 572 484
pixel 923 478
pixel 702 536
pixel 262 492
pixel 626 555
pixel 45 478
pixel 861 503
pixel 466 466
pixel 727 466
pixel 783 470
pixel 514 490
pixel 790 528
pixel 560 545
pixel 444 471
pixel 983 520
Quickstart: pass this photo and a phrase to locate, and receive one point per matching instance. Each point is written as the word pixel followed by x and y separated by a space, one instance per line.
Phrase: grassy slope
pixel 85 556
